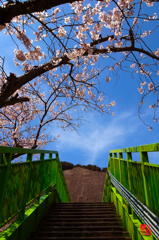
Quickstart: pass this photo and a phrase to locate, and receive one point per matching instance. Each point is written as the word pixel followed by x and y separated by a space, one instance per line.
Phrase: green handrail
pixel 23 183
pixel 140 178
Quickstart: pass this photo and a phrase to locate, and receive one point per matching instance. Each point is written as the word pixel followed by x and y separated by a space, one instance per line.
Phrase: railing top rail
pixel 24 150
pixel 141 210
pixel 144 148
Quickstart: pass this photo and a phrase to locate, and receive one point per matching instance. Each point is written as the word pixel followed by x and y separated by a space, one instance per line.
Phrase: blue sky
pixel 99 135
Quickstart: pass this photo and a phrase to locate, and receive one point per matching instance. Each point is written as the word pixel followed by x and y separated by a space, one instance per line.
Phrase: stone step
pixel 85 221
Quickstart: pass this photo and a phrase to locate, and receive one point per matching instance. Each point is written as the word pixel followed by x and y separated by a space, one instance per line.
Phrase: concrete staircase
pixel 81 221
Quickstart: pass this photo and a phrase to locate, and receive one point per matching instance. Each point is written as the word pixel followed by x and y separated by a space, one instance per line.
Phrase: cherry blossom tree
pixel 64 43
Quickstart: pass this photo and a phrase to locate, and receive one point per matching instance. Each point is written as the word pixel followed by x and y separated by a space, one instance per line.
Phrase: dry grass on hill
pixel 85 185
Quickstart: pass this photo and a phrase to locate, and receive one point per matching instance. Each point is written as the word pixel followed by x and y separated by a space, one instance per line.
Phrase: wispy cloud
pixel 99 136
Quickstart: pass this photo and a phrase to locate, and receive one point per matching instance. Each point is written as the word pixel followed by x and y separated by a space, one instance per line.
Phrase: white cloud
pixel 98 136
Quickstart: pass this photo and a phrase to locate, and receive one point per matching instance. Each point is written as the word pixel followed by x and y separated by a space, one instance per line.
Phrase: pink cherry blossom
pixel 141 102
pixel 133 65
pixel 102 106
pixel 151 86
pixel 146 33
pixel 57 10
pixel 110 39
pixel 142 55
pixel 103 17
pixel 143 83
pixel 135 21
pixel 140 89
pixel 19 55
pixel 152 106
pixel 119 44
pixel 67 19
pixel 150 128
pixel 157 52
pixel 112 103
pixel 111 68
pixel 107 79
pixel 61 32
pixel 70 54
pixel 116 14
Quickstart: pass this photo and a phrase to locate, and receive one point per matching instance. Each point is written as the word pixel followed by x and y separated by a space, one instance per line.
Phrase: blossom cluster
pixel 88 23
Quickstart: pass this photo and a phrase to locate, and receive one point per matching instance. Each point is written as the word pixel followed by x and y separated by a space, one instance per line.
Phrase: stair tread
pixel 64 232
pixel 87 219
pixel 74 220
pixel 82 223
pixel 84 213
pixel 82 219
pixel 84 203
pixel 84 216
pixel 82 210
pixel 72 215
pixel 84 238
pixel 84 227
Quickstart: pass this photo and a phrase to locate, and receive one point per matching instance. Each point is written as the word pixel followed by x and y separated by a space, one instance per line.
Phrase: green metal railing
pixel 41 181
pixel 140 178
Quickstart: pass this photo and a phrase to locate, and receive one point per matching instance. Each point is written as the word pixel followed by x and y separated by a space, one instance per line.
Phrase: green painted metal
pixel 40 181
pixel 43 182
pixel 140 178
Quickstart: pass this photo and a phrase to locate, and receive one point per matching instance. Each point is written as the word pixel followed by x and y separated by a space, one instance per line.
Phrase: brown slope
pixel 85 185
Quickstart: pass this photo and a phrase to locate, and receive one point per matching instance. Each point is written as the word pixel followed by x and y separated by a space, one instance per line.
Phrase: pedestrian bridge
pixel 28 190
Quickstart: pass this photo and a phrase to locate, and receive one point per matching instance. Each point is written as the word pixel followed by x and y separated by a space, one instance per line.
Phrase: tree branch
pixel 95 42
pixel 17 82
pixel 30 6
pixel 14 100
pixel 14 83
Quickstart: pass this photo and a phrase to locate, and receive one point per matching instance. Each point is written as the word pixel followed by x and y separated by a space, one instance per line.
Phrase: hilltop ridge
pixel 68 165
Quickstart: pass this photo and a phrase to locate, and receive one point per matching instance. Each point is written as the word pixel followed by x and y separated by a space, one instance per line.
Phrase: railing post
pixel 29 159
pixel 144 158
pixel 129 157
pixel 56 167
pixel 1 158
pixel 48 190
pixel 114 156
pixel 107 179
pixel 120 157
pixel 41 174
pixel 108 197
pixel 26 190
pixel 57 173
pixel 4 179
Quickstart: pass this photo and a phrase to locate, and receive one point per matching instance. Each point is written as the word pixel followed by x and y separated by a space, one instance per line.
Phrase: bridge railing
pixel 22 183
pixel 140 178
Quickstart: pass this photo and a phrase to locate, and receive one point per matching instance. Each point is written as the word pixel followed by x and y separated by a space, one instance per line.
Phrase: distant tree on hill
pixel 104 169
pixel 67 166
